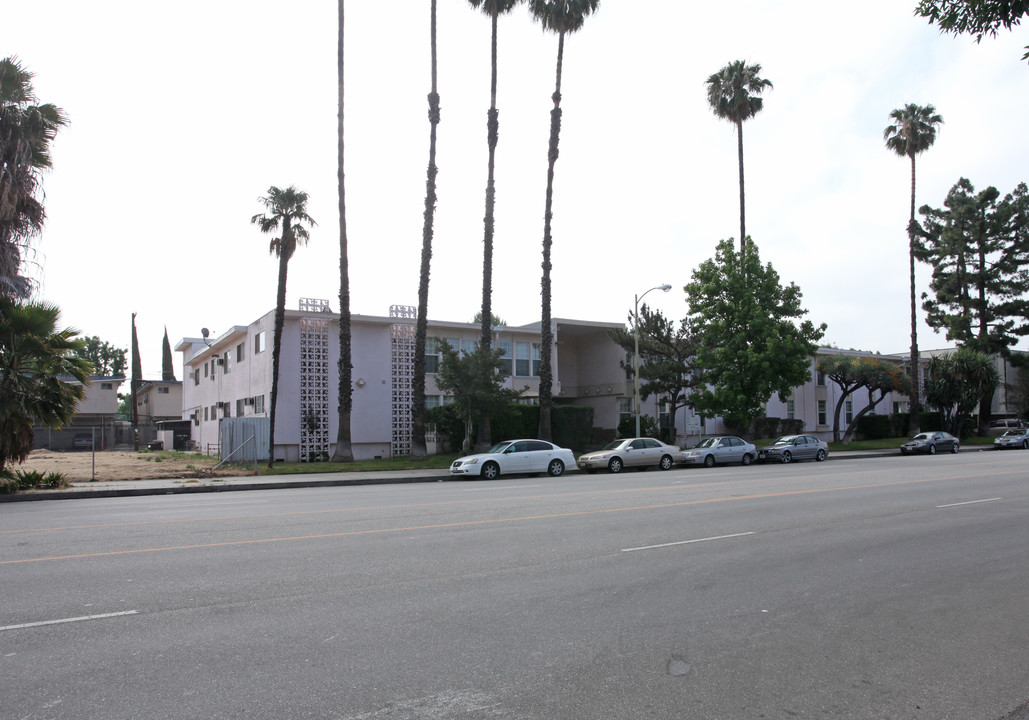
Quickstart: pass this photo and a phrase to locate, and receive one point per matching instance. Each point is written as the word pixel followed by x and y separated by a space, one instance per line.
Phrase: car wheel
pixel 787 457
pixel 820 456
pixel 746 459
pixel 491 471
pixel 615 465
pixel 932 449
pixel 709 461
pixel 666 462
pixel 556 468
pixel 954 448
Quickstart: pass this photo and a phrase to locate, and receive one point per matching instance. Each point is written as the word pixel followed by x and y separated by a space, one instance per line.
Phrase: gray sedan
pixel 630 452
pixel 721 450
pixel 1012 439
pixel 794 447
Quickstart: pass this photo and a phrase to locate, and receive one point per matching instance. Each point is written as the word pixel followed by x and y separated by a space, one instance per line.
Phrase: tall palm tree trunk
pixel 547 337
pixel 280 318
pixel 915 424
pixel 743 205
pixel 418 448
pixel 344 450
pixel 492 135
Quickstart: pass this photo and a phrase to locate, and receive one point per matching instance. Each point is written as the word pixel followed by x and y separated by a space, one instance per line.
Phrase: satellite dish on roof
pixel 205 332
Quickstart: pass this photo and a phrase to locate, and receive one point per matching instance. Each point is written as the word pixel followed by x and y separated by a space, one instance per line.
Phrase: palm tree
pixel 36 362
pixel 344 450
pixel 562 17
pixel 418 449
pixel 913 131
pixel 285 213
pixel 733 94
pixel 492 8
pixel 26 132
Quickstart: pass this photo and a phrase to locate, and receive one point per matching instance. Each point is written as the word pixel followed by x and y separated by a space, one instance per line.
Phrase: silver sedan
pixel 794 447
pixel 630 452
pixel 720 450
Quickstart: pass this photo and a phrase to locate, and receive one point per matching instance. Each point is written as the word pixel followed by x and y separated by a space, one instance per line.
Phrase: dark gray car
pixel 794 447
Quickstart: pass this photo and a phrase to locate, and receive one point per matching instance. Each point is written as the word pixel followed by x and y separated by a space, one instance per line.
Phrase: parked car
pixel 82 441
pixel 1012 439
pixel 1001 427
pixel 513 457
pixel 931 442
pixel 630 452
pixel 794 447
pixel 721 450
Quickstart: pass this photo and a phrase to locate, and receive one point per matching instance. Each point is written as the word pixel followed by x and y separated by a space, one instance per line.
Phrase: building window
pixel 163 391
pixel 431 356
pixel 523 356
pixel 467 347
pixel 214 412
pixel 791 410
pixel 432 401
pixel 206 370
pixel 226 409
pixel 214 364
pixel 822 413
pixel 259 405
pixel 259 342
pixel 239 352
pixel 535 359
pixel 227 363
pixel 106 386
pixel 624 409
pixel 506 360
pixel 896 408
pixel 205 414
pixel 239 408
pixel 849 408
pixel 821 379
pixel 196 376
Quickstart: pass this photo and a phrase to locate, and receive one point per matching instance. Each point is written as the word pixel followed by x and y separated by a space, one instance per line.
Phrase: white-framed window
pixel 214 412
pixel 205 414
pixel 624 408
pixel 432 401
pixel 106 386
pixel 163 390
pixel 523 359
pixel 467 347
pixel 228 362
pixel 791 410
pixel 259 405
pixel 822 417
pixel 821 379
pixel 848 407
pixel 240 352
pixel 207 369
pixel 506 361
pixel 196 376
pixel 431 356
pixel 535 359
pixel 259 344
pixel 239 408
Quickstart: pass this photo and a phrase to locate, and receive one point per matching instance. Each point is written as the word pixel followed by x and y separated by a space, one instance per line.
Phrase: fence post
pixel 92 451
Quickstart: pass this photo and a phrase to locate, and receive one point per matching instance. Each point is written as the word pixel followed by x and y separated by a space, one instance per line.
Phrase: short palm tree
pixel 27 130
pixel 418 448
pixel 494 9
pixel 285 214
pixel 562 17
pixel 344 449
pixel 38 363
pixel 913 131
pixel 733 93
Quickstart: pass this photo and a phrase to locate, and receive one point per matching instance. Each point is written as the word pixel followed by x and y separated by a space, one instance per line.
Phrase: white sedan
pixel 512 457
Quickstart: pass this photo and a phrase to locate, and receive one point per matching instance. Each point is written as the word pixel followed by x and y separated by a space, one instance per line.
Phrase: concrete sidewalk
pixel 180 486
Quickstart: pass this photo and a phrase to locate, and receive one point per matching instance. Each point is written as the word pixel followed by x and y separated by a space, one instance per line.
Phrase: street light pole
pixel 636 355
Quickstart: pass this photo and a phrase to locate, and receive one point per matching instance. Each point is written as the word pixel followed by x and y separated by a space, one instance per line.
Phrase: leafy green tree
pixel 974 17
pixel 167 362
pixel 36 362
pixel 752 341
pixel 734 95
pixel 285 214
pixel 668 355
pixel 106 359
pixel 475 382
pixel 955 383
pixel 913 131
pixel 27 130
pixel 343 451
pixel 563 17
pixel 418 449
pixel 978 247
pixel 853 373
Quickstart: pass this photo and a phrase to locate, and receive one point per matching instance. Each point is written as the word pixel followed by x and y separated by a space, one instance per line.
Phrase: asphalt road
pixel 889 588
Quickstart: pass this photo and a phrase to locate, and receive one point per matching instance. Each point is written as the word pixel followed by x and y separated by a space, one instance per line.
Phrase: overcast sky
pixel 183 114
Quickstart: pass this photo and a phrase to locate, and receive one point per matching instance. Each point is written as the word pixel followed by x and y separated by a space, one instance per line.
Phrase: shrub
pixel 648 427
pixel 12 482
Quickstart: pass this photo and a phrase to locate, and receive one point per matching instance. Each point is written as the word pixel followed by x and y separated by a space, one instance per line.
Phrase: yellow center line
pixel 497 521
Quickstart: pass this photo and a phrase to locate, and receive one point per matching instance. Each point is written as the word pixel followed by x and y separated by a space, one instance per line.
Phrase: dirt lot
pixel 125 465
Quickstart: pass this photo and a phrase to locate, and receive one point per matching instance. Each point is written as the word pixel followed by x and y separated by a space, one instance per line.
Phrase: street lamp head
pixel 666 287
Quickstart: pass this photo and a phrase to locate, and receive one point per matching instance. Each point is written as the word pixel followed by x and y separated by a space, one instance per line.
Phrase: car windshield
pixel 922 436
pixel 710 442
pixel 786 440
pixel 499 448
pixel 613 445
pixel 1011 433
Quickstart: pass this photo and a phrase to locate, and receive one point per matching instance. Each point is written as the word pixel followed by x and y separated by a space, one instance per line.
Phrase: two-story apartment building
pixel 230 376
